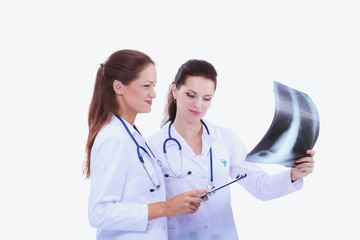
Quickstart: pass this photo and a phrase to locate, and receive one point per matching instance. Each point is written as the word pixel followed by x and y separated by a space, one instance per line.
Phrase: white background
pixel 50 52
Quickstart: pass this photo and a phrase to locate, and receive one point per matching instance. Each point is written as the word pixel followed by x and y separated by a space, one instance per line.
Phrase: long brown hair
pixel 193 68
pixel 123 65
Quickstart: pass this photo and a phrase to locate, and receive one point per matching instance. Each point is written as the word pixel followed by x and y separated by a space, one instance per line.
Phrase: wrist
pixel 156 210
pixel 292 177
pixel 165 209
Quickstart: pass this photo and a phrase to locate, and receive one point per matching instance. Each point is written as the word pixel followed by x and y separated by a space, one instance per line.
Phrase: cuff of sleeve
pixel 121 217
pixel 298 184
pixel 141 220
pixel 279 185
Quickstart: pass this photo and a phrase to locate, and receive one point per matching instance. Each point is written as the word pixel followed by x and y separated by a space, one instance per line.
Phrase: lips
pixel 195 112
pixel 149 102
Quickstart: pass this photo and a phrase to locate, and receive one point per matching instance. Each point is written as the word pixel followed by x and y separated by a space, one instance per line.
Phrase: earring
pixel 175 100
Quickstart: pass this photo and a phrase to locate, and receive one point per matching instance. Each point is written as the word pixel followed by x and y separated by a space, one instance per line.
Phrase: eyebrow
pixel 149 81
pixel 210 94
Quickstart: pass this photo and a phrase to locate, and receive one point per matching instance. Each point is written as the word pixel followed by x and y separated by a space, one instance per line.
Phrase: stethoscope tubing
pixel 170 138
pixel 138 148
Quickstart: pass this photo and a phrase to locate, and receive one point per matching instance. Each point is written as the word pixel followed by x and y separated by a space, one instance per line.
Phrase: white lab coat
pixel 214 219
pixel 120 187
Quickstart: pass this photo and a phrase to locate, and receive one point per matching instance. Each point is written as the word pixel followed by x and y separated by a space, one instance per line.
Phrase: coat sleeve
pixel 258 183
pixel 109 169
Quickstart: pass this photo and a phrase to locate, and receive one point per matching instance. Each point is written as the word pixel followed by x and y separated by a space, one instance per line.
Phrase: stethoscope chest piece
pixel 152 189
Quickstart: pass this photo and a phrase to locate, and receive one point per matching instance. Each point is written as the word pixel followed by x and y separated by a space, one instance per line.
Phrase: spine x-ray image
pixel 293 131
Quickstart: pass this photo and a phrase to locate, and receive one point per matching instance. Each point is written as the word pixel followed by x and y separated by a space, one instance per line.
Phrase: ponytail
pixel 123 65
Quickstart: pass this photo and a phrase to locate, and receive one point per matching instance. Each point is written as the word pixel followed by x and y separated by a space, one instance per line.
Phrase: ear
pixel 174 90
pixel 118 87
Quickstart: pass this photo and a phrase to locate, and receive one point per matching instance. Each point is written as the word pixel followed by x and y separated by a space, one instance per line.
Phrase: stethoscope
pixel 181 175
pixel 140 148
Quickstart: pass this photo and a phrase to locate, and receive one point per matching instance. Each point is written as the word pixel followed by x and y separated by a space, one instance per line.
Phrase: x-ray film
pixel 293 131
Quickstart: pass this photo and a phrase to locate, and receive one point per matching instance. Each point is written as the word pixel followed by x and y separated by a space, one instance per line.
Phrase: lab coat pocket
pixel 181 222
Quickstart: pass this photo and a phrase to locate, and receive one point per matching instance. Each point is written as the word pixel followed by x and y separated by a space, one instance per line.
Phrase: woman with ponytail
pixel 127 194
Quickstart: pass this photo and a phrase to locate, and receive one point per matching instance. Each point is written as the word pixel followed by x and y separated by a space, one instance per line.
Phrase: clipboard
pixel 215 189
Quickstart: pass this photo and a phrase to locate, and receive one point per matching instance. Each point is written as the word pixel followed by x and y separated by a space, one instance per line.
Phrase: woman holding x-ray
pixel 196 154
pixel 127 195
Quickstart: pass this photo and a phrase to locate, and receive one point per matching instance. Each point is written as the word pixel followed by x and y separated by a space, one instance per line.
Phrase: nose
pixel 197 102
pixel 152 93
